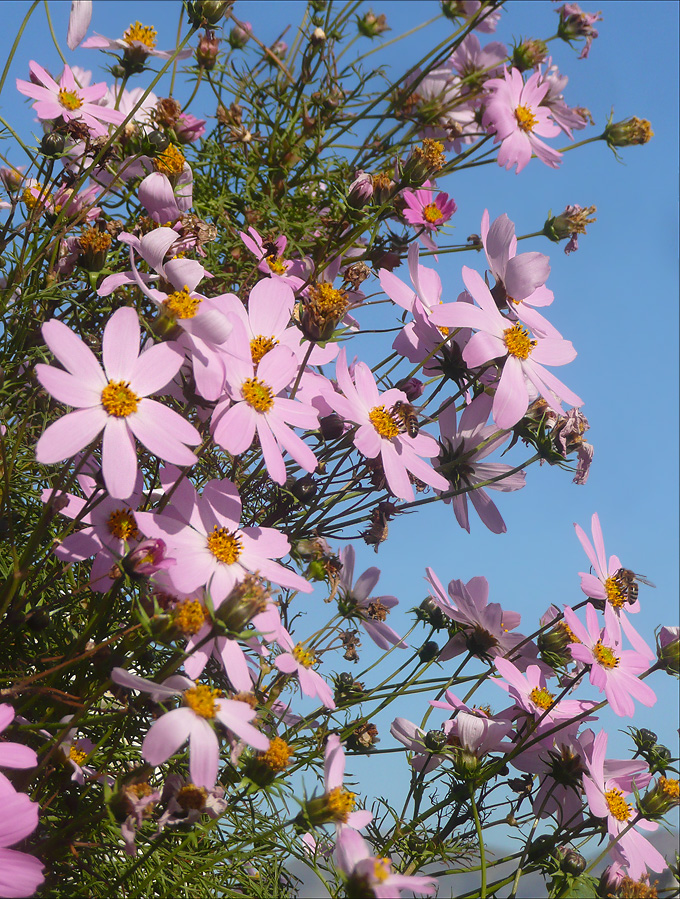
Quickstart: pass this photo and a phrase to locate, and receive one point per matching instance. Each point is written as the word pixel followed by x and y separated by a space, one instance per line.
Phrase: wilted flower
pixel 668 649
pixel 574 23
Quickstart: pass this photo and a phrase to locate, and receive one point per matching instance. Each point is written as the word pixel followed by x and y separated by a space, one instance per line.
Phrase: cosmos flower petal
pixel 70 434
pixel 512 397
pixel 120 345
pixel 66 388
pixel 74 355
pixel 167 734
pixel 204 753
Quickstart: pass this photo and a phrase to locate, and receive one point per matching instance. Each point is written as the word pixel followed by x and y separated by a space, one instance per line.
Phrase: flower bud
pixel 529 54
pixel 347 689
pixel 412 387
pixel 360 191
pixel 11 179
pixel 246 600
pixel 304 488
pixel 331 426
pixel 318 37
pixel 570 861
pixel 240 35
pixel 207 51
pixel 207 13
pixel 428 651
pixel 52 144
pixel 279 49
pixel 189 129
pixel 429 612
pixel 631 132
pixel 661 798
pixel 435 740
pixel 158 141
pixel 668 649
pixel 370 25
pixel 146 559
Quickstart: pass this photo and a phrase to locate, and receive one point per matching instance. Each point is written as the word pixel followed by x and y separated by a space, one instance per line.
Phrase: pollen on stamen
pixel 257 394
pixel 541 698
pixel 119 400
pixel 525 119
pixel 617 805
pixel 122 524
pixel 225 545
pixel 340 804
pixel 518 342
pixel 432 213
pixel 304 657
pixel 69 99
pixel 143 34
pixel 276 264
pixel 189 616
pixel 604 655
pixel 183 304
pixel 260 346
pixel 202 700
pixel 384 422
pixel 170 161
pixel 615 597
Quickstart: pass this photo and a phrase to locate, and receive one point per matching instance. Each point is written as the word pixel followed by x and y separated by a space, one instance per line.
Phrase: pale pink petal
pixel 120 346
pixel 78 22
pixel 236 429
pixel 270 450
pixel 67 436
pixel 67 388
pixel 270 305
pixel 73 354
pixel 119 458
pixel 164 432
pixel 167 734
pixel 20 873
pixel 512 397
pixel 204 753
pixel 155 368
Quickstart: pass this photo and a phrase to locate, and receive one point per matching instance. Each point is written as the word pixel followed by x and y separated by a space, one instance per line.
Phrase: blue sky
pixel 616 299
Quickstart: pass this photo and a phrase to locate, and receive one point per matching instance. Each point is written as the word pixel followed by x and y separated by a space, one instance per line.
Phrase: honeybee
pixel 407 418
pixel 626 581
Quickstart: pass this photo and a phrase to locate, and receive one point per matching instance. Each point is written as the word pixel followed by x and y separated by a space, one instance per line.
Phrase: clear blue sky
pixel 616 299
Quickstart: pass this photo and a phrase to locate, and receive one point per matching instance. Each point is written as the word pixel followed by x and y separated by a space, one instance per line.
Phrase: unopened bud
pixel 529 54
pixel 668 649
pixel 303 489
pixel 318 36
pixel 52 144
pixel 360 191
pixel 207 13
pixel 240 35
pixel 412 387
pixel 331 426
pixel 146 559
pixel 428 651
pixel 430 613
pixel 207 51
pixel 370 25
pixel 435 740
pixel 570 861
pixel 631 132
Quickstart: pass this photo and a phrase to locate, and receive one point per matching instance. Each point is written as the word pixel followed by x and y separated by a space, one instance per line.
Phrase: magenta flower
pixel 254 404
pixel 370 876
pixel 606 798
pixel 525 357
pixel 20 873
pixel 370 611
pixel 425 210
pixel 113 400
pixel 192 722
pixel 530 693
pixel 334 774
pixel 514 114
pixel 463 447
pixel 68 101
pixel 298 660
pixel 271 258
pixel 203 534
pixel 476 730
pixel 613 670
pixel 380 433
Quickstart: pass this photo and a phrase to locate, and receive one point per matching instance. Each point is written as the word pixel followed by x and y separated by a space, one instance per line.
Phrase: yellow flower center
pixel 145 34
pixel 182 304
pixel 617 804
pixel 382 868
pixel 328 299
pixel 77 755
pixel 201 699
pixel 670 786
pixel 122 524
pixel 257 394
pixel 525 119
pixel 639 131
pixel 192 797
pixel 340 803
pixel 604 656
pixel 118 399
pixel 69 99
pixel 170 161
pixel 189 616
pixel 568 631
pixel 518 342
pixel 224 545
pixel 276 264
pixel 384 423
pixel 277 757
pixel 614 595
pixel 431 153
pixel 260 346
pixel 304 657
pixel 541 698
pixel 432 213
pixel 94 241
pixel 31 196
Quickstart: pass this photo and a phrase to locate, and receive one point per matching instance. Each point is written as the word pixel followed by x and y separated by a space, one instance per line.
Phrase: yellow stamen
pixel 118 399
pixel 432 213
pixel 201 699
pixel 182 304
pixel 277 757
pixel 617 804
pixel 77 755
pixel 69 99
pixel 31 196
pixel 192 797
pixel 170 161
pixel 190 616
pixel 145 34
pixel 276 264
pixel 94 240
pixel 518 342
pixel 225 545
pixel 304 657
pixel 260 346
pixel 604 656
pixel 384 423
pixel 122 524
pixel 257 394
pixel 328 300
pixel 614 595
pixel 541 697
pixel 568 631
pixel 382 868
pixel 670 786
pixel 340 803
pixel 525 119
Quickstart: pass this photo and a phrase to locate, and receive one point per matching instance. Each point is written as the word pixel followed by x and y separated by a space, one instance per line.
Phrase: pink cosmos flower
pixel 425 210
pixel 530 693
pixel 471 59
pixel 138 40
pixel 613 670
pixel 113 400
pixel 271 258
pixel 606 798
pixel 298 660
pixel 379 432
pixel 370 876
pixel 192 722
pixel 255 404
pixel 68 101
pixel 20 873
pixel 456 124
pixel 425 758
pixel 162 201
pixel 475 730
pixel 525 357
pixel 566 117
pixel 603 585
pixel 514 114
pixel 488 19
pixel 575 23
pixel 463 447
pixel 13 755
pixel 203 534
pixel 334 774
pixel 370 611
